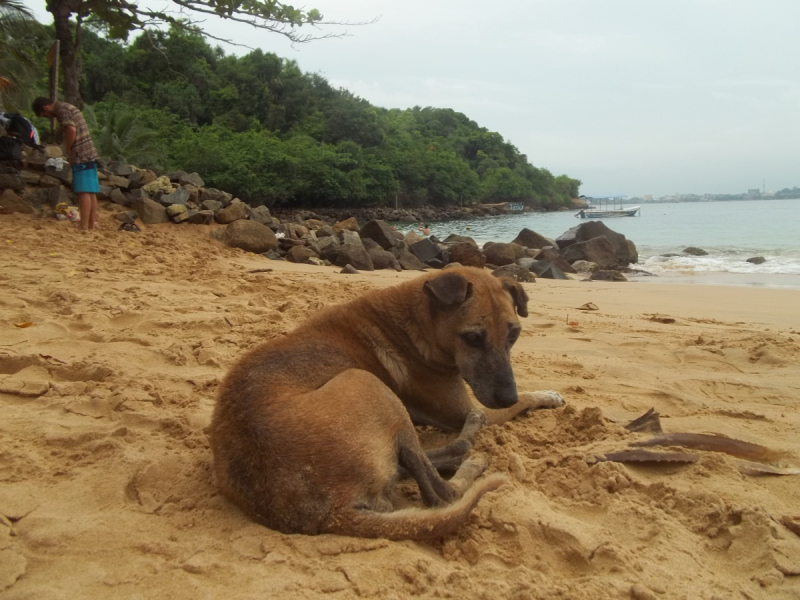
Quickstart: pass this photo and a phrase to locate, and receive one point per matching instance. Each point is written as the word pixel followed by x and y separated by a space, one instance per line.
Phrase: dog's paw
pixel 544 399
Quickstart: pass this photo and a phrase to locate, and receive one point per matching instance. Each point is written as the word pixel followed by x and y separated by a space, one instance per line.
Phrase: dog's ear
pixel 518 295
pixel 449 289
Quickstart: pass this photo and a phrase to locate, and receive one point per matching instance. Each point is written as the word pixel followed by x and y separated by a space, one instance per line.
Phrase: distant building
pixel 754 193
pixel 648 198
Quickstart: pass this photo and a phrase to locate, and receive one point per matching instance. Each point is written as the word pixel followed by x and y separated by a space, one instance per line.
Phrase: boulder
pixel 593 229
pixel 160 184
pixel 147 177
pixel 135 180
pixel 597 250
pixel 117 197
pixel 105 193
pixel 49 181
pixel 30 177
pixel 250 236
pixel 178 212
pixel 426 250
pixel 757 260
pixel 554 256
pixel 300 254
pixel 350 224
pixel 120 182
pixel 383 259
pixel 460 239
pixel 381 232
pixel 224 198
pixel 328 248
pixel 235 212
pixel 128 216
pixel 584 266
pixel 191 179
pixel 412 238
pixel 136 194
pixel 350 237
pixel 634 253
pixel 610 275
pixel 10 201
pixel 179 196
pixel 200 217
pixel 261 215
pixel 176 176
pixel 499 254
pixel 354 254
pixel 467 254
pixel 349 270
pixel 531 239
pixel 63 174
pixel 39 197
pixel 693 251
pixel 326 231
pixel 547 270
pixel 515 272
pixel 10 179
pixel 213 206
pixel 406 258
pixel 150 211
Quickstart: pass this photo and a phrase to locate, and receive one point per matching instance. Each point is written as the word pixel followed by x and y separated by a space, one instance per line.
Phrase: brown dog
pixel 312 430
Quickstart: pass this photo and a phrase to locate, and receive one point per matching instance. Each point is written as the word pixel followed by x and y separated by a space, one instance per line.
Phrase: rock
pixel 597 250
pixel 53 151
pixel 147 177
pixel 412 238
pixel 296 231
pixel 191 179
pixel 328 247
pixel 757 260
pixel 547 270
pixel 117 197
pixel 135 180
pixel 200 217
pixel 179 196
pixel 692 251
pixel 176 176
pixel 406 258
pixel 554 256
pixel 10 179
pixel 261 215
pixel 160 184
pixel 349 270
pixel 467 254
pixel 515 272
pixel 500 254
pixel 223 198
pixel 49 181
pixel 634 253
pixel 350 224
pixel 300 254
pixel 313 224
pixel 105 192
pixel 426 250
pixel 39 197
pixel 120 169
pixel 459 239
pixel 584 266
pixel 380 231
pixel 64 174
pixel 30 177
pixel 383 259
pixel 594 229
pixel 150 211
pixel 128 216
pixel 435 263
pixel 10 201
pixel 531 239
pixel 136 194
pixel 250 236
pixel 174 210
pixel 272 255
pixel 326 231
pixel 120 182
pixel 235 212
pixel 350 237
pixel 355 255
pixel 607 275
pixel 213 206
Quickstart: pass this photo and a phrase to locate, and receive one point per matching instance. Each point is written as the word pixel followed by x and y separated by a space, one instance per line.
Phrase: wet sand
pixel 105 481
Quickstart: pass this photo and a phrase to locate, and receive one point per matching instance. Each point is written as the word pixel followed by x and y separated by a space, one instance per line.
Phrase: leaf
pixel 588 306
pixel 23 325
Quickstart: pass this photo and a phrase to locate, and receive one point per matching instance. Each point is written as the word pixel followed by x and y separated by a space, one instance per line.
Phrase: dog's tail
pixel 420 523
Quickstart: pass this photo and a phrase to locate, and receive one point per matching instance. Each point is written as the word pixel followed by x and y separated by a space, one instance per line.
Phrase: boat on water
pixel 599 213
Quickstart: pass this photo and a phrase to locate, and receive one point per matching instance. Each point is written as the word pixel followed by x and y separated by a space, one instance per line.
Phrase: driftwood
pixel 649 421
pixel 715 443
pixel 647 456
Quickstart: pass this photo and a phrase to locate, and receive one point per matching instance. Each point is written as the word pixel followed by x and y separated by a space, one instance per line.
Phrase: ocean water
pixel 731 232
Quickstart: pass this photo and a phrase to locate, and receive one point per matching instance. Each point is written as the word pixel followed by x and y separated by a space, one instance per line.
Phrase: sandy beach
pixel 112 347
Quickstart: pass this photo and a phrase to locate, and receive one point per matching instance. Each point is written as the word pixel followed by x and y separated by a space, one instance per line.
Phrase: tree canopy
pixel 261 128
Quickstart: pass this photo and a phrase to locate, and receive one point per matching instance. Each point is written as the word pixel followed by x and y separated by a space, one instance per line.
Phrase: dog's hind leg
pixel 434 490
pixel 448 458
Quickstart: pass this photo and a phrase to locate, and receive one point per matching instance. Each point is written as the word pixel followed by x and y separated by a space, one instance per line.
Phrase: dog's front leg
pixel 526 402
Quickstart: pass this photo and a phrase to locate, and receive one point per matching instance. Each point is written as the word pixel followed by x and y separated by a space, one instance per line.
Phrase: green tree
pixel 18 42
pixel 121 135
pixel 123 17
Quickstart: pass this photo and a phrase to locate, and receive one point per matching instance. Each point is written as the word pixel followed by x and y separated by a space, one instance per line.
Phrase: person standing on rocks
pixel 81 153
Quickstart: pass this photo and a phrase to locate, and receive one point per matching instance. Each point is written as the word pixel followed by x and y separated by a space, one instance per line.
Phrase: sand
pixel 105 482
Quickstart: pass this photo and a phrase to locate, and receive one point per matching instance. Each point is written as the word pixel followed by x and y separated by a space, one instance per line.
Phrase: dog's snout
pixel 506 395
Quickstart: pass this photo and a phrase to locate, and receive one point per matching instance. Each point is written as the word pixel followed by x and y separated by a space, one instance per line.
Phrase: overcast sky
pixel 629 96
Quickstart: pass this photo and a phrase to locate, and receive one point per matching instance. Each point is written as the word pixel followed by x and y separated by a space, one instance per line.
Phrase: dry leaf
pixel 589 306
pixel 23 325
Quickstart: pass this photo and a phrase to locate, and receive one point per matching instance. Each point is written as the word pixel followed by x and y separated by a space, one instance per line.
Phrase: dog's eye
pixel 473 338
pixel 513 335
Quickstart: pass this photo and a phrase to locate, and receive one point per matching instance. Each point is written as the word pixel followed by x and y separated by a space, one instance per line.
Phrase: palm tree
pixel 122 136
pixel 18 30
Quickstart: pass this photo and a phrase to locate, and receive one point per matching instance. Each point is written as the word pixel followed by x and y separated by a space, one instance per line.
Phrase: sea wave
pixel 777 263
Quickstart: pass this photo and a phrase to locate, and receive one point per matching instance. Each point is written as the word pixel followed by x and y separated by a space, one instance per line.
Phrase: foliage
pixel 19 33
pixel 121 135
